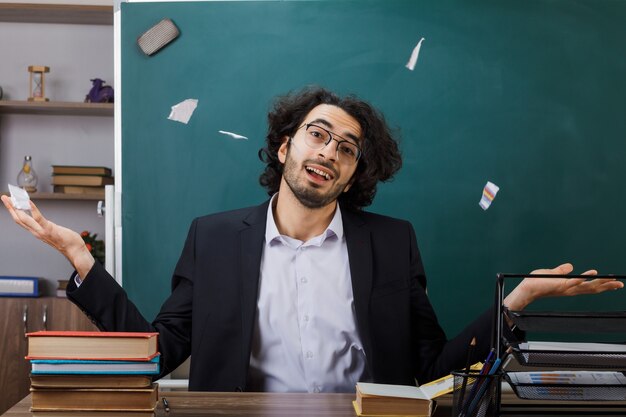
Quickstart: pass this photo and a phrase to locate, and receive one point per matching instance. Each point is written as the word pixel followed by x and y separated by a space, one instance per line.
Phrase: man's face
pixel 316 177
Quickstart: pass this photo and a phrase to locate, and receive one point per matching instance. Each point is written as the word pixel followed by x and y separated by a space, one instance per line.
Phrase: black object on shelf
pixel 569 321
pixel 551 391
pixel 570 359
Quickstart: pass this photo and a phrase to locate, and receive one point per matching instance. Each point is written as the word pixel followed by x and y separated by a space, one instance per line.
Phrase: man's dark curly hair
pixel 380 158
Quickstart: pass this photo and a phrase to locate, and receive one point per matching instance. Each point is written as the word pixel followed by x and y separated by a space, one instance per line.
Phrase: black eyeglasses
pixel 317 137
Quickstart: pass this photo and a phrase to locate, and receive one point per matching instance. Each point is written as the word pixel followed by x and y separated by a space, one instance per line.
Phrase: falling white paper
pixel 183 111
pixel 414 55
pixel 233 135
pixel 19 198
pixel 489 193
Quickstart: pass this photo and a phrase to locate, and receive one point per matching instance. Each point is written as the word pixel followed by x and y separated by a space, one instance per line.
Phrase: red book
pixel 130 346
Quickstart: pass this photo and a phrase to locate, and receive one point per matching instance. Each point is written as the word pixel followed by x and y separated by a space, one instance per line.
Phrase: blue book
pixel 91 367
pixel 19 286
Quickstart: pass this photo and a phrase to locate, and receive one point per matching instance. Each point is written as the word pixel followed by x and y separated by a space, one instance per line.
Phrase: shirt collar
pixel 335 228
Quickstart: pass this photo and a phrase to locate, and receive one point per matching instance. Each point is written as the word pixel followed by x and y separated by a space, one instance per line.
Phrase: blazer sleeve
pixel 435 355
pixel 106 303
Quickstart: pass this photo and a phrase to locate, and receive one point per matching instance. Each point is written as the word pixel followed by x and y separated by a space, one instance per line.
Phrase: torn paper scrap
pixel 233 135
pixel 19 198
pixel 183 111
pixel 489 193
pixel 414 55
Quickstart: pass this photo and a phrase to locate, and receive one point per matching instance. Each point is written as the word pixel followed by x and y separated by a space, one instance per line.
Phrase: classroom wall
pixel 75 54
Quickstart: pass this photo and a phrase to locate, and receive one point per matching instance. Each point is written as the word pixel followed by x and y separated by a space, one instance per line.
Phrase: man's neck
pixel 299 222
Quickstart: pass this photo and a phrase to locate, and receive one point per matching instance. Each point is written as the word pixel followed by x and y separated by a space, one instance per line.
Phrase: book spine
pixel 93 372
pixel 155 360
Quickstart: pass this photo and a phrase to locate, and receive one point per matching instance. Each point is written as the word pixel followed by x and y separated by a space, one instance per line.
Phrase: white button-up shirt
pixel 305 336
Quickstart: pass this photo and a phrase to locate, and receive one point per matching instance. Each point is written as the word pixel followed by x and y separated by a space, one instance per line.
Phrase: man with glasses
pixel 306 292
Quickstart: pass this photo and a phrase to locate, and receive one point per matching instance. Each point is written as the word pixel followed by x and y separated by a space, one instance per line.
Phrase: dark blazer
pixel 210 313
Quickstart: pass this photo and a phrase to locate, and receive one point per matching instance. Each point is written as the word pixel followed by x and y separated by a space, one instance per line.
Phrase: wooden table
pixel 249 404
pixel 245 404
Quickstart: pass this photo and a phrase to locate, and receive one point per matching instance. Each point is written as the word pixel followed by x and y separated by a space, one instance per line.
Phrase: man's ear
pixel 282 151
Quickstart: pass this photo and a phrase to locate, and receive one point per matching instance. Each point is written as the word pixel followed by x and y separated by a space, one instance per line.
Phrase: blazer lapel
pixel 251 239
pixel 358 241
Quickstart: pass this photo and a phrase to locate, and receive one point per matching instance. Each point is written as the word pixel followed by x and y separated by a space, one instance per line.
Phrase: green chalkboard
pixel 530 95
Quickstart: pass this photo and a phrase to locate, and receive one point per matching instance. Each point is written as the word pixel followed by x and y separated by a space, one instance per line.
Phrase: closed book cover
pixel 80 170
pixel 19 286
pixel 91 180
pixel 131 346
pixel 89 381
pixel 90 367
pixel 385 400
pixel 78 189
pixel 92 399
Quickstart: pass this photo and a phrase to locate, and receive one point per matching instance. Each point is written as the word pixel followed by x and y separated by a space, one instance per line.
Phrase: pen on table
pixel 166 405
pixel 468 364
pixel 496 366
pixel 483 388
pixel 488 361
pixel 478 381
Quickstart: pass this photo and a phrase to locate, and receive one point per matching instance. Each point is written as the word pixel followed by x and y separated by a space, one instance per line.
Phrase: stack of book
pixel 73 179
pixel 93 371
pixel 62 288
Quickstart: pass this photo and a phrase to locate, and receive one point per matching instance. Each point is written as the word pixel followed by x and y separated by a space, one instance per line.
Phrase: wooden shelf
pixel 56 13
pixel 56 108
pixel 61 196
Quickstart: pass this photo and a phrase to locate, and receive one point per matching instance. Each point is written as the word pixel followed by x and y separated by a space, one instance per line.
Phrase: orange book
pixel 130 346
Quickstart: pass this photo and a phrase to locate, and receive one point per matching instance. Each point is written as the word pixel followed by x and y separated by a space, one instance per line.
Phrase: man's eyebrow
pixel 330 126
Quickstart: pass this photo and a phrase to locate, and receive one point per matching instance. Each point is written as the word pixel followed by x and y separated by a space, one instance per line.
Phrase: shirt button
pixel 306 317
pixel 304 280
pixel 309 354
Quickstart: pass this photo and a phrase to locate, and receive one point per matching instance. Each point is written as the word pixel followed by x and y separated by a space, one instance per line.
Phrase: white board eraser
pixel 159 35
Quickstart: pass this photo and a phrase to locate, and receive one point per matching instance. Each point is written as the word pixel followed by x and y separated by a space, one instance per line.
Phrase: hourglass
pixel 37 83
